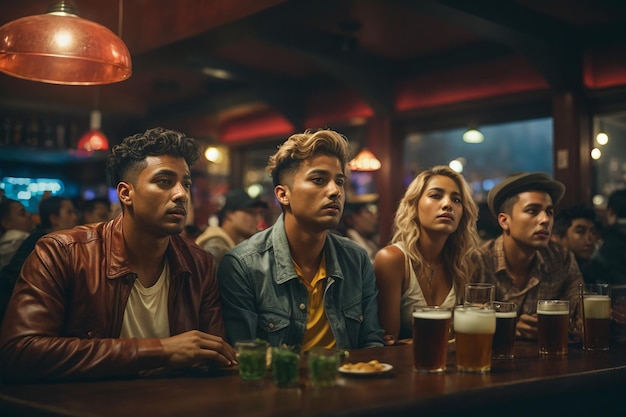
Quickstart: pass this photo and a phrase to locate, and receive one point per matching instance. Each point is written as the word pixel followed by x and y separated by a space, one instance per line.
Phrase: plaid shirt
pixel 554 274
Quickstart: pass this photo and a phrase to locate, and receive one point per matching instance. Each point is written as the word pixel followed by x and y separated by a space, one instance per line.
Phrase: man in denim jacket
pixel 295 283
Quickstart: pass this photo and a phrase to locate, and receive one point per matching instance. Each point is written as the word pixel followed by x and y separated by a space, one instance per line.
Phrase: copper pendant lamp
pixel 365 161
pixel 59 47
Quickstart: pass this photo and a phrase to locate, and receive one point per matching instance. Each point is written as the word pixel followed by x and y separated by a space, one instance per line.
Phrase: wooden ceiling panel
pixel 282 52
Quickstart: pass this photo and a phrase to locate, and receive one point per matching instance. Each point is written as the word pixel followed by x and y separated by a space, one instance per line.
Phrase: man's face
pixel 18 218
pixel 245 221
pixel 531 219
pixel 67 217
pixel 581 238
pixel 315 192
pixel 365 222
pixel 158 199
pixel 100 213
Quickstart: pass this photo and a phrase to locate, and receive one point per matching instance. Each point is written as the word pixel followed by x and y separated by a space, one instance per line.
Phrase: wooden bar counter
pixel 582 383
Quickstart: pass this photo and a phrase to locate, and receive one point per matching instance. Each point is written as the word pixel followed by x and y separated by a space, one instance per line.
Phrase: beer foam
pixel 506 314
pixel 481 321
pixel 553 312
pixel 597 306
pixel 432 314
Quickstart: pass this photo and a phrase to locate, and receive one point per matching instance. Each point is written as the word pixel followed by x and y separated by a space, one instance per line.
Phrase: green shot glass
pixel 285 367
pixel 323 367
pixel 251 356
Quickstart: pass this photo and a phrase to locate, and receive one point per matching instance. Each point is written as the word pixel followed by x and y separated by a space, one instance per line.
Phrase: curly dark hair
pixel 130 156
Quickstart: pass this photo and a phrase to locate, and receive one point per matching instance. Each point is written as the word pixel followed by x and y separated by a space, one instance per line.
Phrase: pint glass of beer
pixel 596 303
pixel 474 328
pixel 431 326
pixel 504 338
pixel 479 294
pixel 552 326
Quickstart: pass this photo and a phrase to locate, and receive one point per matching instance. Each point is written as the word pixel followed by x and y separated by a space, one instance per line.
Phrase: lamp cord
pixel 120 18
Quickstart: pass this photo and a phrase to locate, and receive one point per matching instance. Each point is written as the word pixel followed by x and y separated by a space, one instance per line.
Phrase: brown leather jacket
pixel 65 316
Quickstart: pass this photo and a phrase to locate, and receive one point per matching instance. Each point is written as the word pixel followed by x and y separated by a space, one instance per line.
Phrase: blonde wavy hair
pixel 460 245
pixel 303 146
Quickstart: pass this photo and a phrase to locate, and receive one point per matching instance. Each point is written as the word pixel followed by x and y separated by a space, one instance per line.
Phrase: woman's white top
pixel 413 296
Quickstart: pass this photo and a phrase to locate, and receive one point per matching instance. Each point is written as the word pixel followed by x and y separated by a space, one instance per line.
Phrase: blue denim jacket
pixel 262 295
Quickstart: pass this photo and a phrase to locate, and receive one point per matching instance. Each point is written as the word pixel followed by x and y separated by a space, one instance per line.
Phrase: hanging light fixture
pixel 364 161
pixel 94 139
pixel 473 135
pixel 59 47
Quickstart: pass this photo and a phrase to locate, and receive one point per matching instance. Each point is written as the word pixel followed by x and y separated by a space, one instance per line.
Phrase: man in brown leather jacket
pixel 125 297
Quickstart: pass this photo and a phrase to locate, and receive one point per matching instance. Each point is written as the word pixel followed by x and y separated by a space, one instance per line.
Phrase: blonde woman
pixel 428 260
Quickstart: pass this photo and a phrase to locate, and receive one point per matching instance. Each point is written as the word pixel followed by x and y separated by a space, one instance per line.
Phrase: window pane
pixel 506 148
pixel 609 156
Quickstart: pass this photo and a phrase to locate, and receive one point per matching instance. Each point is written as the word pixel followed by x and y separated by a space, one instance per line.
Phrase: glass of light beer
pixel 596 303
pixel 431 326
pixel 474 328
pixel 552 326
pixel 504 338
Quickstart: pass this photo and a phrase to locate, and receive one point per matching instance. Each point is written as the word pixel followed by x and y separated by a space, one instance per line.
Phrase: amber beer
pixel 474 328
pixel 504 337
pixel 552 326
pixel 431 326
pixel 597 324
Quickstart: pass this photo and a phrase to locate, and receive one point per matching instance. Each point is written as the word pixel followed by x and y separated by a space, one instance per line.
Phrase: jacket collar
pixel 285 270
pixel 117 257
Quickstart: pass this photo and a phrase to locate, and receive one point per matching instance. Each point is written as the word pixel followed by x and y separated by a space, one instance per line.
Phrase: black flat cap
pixel 520 182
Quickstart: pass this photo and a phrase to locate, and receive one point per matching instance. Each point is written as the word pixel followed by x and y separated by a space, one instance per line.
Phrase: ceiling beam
pixel 283 94
pixel 248 27
pixel 452 58
pixel 551 45
pixel 366 75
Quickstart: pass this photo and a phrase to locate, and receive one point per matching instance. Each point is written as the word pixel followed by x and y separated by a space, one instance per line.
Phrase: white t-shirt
pixel 146 314
pixel 413 296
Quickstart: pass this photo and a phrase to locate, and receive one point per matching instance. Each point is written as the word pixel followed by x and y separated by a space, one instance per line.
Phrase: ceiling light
pixel 602 138
pixel 364 161
pixel 217 73
pixel 456 165
pixel 213 154
pixel 59 47
pixel 596 153
pixel 94 139
pixel 473 135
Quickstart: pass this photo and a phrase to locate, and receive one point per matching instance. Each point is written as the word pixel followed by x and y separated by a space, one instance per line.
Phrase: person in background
pixel 609 262
pixel 487 226
pixel 15 226
pixel 523 263
pixel 121 298
pixel 238 220
pixel 296 283
pixel 428 261
pixel 56 213
pixel 96 210
pixel 360 220
pixel 191 231
pixel 575 229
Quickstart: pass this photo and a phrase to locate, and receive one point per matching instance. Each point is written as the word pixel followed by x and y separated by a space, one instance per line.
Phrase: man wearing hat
pixel 523 263
pixel 238 220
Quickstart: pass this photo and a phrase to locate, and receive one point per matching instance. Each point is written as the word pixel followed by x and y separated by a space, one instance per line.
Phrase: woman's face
pixel 440 208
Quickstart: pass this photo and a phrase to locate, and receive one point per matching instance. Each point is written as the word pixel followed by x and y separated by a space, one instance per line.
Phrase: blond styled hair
pixel 459 246
pixel 302 146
